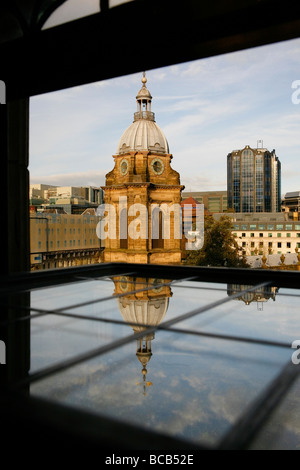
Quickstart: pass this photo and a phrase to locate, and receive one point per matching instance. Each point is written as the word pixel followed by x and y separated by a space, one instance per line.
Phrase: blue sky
pixel 206 109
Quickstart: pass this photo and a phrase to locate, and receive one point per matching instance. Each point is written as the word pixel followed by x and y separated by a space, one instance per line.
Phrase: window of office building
pixel 236 180
pixel 214 204
pixel 247 185
pixel 259 183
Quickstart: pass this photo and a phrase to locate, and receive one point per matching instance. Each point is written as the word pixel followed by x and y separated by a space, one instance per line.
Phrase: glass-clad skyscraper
pixel 253 180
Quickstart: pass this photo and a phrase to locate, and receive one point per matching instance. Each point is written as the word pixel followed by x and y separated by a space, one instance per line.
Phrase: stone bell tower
pixel 143 304
pixel 144 193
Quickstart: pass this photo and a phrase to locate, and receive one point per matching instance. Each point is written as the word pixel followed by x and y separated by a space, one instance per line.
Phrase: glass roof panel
pixel 264 313
pixel 189 387
pixel 184 358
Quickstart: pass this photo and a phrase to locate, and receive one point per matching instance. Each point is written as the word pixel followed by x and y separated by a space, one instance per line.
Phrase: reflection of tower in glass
pixel 144 305
pixel 260 295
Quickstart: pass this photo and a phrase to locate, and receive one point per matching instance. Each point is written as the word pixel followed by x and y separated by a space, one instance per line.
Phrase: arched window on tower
pixel 123 229
pixel 157 228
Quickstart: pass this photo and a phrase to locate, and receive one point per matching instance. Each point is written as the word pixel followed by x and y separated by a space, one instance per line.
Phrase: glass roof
pixel 182 357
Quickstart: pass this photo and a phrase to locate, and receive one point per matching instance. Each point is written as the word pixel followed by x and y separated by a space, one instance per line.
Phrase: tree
pixel 220 247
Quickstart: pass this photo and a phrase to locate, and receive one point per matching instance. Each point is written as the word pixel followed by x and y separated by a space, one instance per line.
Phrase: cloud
pixel 88 178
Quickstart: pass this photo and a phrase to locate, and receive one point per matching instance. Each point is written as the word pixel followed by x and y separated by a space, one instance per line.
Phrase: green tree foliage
pixel 220 247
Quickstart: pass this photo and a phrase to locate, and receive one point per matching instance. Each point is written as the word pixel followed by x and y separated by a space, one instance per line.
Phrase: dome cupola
pixel 143 134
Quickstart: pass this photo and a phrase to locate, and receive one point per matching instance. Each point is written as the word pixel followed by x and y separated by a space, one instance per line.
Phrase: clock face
pixel 157 282
pixel 123 283
pixel 157 166
pixel 124 166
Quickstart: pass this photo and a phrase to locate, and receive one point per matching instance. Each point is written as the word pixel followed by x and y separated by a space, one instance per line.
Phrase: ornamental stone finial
pixel 144 79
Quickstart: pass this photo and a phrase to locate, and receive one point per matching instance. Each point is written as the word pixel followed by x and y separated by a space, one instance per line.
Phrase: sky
pixel 206 108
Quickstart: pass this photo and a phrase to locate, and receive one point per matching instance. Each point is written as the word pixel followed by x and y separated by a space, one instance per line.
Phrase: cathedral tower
pixel 144 193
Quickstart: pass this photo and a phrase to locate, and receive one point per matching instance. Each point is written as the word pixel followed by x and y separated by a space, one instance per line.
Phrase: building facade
pixel 63 240
pixel 71 199
pixel 275 237
pixel 291 203
pixel 143 184
pixel 253 180
pixel 213 201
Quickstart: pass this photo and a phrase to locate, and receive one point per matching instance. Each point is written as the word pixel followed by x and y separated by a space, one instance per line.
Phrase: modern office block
pixel 254 180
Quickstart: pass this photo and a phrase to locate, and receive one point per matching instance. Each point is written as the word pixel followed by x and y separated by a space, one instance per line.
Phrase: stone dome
pixel 143 312
pixel 143 133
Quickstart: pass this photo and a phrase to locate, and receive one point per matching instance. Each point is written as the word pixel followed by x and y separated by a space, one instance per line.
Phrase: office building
pixel 291 203
pixel 253 180
pixel 70 199
pixel 267 235
pixel 213 201
pixel 59 240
